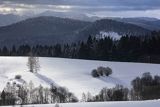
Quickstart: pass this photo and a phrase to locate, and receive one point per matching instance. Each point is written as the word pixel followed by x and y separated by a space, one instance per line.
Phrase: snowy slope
pixel 153 103
pixel 73 74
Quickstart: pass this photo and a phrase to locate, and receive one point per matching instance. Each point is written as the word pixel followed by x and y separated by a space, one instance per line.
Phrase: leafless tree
pixel 33 64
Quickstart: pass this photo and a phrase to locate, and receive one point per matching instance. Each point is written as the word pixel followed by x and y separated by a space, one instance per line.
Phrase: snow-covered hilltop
pixel 71 73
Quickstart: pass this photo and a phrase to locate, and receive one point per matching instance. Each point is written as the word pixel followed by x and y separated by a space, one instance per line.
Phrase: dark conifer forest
pixel 128 48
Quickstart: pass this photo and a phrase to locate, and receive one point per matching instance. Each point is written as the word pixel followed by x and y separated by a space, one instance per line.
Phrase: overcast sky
pixel 106 8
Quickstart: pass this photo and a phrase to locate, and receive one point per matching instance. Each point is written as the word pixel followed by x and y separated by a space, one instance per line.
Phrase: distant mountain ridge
pixel 49 30
pixel 145 22
pixel 71 15
pixel 109 25
pixel 41 30
pixel 9 19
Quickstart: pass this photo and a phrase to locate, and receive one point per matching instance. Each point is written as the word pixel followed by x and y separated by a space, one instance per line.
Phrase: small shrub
pixel 101 71
pixel 94 73
pixel 18 77
pixel 108 71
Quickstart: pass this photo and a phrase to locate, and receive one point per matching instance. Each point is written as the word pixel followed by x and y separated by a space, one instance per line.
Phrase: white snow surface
pixel 111 34
pixel 154 103
pixel 73 73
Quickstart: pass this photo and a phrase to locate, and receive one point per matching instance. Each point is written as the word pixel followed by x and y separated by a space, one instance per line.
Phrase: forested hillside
pixel 128 48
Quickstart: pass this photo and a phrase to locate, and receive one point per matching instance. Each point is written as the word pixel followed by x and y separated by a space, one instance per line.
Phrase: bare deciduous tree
pixel 33 64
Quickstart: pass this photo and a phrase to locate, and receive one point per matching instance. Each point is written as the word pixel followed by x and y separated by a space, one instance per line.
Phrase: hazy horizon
pixel 100 8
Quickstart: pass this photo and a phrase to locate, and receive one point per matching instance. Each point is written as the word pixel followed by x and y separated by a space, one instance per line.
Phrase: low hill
pixel 71 73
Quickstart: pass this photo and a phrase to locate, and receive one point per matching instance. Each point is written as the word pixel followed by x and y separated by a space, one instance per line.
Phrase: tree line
pixel 128 48
pixel 14 94
pixel 117 93
pixel 146 87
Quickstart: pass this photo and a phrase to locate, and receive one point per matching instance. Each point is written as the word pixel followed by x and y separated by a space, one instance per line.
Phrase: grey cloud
pixel 113 5
pixel 89 2
pixel 94 4
pixel 87 6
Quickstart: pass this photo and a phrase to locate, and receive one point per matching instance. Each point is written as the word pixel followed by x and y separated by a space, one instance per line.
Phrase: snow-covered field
pixel 153 103
pixel 74 74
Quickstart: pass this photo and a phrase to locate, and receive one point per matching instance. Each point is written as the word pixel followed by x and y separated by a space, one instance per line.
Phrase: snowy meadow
pixel 74 77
